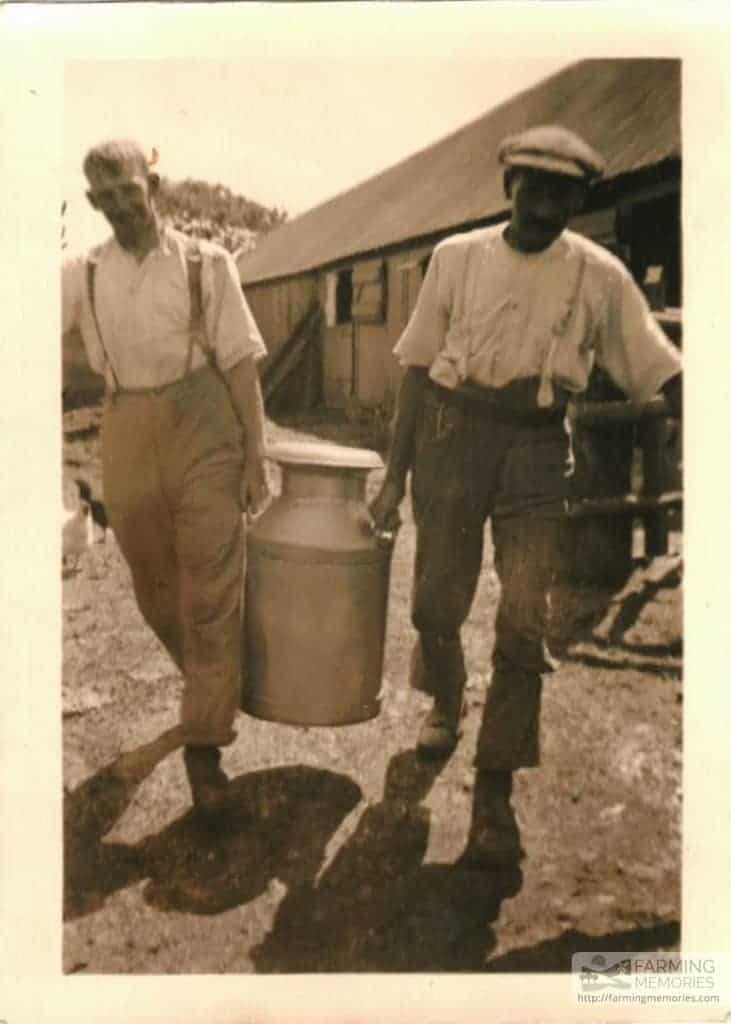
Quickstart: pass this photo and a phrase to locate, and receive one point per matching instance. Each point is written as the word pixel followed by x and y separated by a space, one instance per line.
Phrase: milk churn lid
pixel 322 453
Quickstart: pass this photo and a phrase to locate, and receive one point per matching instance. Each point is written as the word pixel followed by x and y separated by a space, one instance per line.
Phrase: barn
pixel 333 289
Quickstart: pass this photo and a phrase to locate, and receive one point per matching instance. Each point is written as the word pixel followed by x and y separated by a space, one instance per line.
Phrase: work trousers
pixel 173 462
pixel 471 463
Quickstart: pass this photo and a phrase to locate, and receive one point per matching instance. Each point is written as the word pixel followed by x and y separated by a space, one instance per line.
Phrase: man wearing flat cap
pixel 509 323
pixel 165 322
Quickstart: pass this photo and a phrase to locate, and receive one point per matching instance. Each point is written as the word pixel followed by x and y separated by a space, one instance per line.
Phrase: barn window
pixel 369 292
pixel 344 297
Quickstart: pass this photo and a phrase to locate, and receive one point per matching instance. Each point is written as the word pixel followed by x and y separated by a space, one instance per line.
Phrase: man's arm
pixel 672 389
pixel 416 349
pixel 384 507
pixel 633 348
pixel 243 385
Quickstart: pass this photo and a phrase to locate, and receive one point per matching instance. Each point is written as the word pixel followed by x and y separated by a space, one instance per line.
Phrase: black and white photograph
pixel 370 617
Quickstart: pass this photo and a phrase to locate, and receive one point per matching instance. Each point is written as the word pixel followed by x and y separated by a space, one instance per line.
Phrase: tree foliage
pixel 214 211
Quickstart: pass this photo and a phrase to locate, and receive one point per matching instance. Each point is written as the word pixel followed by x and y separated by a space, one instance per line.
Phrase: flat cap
pixel 553 148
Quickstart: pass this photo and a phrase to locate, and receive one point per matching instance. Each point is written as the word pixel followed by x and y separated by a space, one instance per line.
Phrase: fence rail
pixel 610 434
pixel 625 505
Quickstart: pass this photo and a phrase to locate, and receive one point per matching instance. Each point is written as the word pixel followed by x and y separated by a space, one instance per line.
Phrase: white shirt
pixel 491 315
pixel 143 311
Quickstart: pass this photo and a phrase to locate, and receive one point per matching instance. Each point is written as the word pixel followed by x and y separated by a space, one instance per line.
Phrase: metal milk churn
pixel 316 592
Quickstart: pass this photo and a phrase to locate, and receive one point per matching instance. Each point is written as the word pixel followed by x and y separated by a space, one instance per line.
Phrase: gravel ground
pixel 339 852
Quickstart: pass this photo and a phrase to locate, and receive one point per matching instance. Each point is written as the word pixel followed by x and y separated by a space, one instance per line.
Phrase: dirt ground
pixel 340 850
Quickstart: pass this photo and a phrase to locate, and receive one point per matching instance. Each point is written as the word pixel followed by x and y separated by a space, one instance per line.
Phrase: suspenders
pixel 197 331
pixel 90 280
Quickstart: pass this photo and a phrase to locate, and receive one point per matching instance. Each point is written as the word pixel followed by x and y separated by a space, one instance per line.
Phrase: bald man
pixel 165 322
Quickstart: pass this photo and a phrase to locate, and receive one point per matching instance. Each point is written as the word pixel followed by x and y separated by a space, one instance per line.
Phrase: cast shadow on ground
pixel 554 955
pixel 377 907
pixel 648 668
pixel 277 823
pixel 590 609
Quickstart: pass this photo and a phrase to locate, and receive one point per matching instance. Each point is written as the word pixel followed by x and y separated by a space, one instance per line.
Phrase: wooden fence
pixel 628 472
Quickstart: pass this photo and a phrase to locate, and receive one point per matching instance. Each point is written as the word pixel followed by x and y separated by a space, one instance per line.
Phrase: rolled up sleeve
pixel 423 337
pixel 230 325
pixel 633 348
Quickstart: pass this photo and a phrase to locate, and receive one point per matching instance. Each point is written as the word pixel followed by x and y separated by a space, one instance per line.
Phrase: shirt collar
pixel 165 243
pixel 556 246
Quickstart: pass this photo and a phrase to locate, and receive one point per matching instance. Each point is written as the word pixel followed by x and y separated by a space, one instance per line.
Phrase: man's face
pixel 543 204
pixel 125 200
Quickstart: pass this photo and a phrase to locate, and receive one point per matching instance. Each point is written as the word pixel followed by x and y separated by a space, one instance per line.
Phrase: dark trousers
pixel 471 464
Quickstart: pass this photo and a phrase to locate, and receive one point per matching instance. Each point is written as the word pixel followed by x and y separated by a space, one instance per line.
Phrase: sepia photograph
pixel 371 616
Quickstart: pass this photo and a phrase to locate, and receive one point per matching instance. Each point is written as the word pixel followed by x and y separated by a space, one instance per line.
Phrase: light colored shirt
pixel 144 315
pixel 490 315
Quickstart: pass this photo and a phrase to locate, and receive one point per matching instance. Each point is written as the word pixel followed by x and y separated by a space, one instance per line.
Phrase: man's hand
pixel 254 485
pixel 384 507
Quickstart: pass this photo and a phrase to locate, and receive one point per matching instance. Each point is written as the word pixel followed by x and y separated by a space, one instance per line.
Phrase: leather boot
pixel 440 732
pixel 442 664
pixel 208 781
pixel 494 840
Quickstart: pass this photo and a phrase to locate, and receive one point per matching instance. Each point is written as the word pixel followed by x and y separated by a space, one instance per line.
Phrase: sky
pixel 307 108
pixel 287 133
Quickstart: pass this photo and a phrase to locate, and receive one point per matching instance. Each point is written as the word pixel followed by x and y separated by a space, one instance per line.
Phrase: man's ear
pixel 92 200
pixel 153 181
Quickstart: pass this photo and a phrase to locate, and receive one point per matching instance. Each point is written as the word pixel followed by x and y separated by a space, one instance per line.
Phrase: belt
pixel 514 403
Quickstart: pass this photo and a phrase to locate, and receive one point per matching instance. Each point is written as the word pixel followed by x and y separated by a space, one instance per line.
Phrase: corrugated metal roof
pixel 628 109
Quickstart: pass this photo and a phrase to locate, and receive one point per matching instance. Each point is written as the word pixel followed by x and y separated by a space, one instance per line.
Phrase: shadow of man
pixel 93 870
pixel 276 823
pixel 378 907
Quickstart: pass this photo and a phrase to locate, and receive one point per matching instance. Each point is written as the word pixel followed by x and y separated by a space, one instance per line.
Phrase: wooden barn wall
pixel 278 307
pixel 338 365
pixel 359 365
pixel 405 274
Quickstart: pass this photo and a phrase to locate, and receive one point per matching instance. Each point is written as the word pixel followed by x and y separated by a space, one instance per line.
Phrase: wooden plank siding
pixel 279 307
pixel 358 364
pixel 338 366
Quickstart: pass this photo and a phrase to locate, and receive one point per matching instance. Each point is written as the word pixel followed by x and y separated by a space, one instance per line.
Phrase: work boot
pixel 440 732
pixel 208 781
pixel 494 840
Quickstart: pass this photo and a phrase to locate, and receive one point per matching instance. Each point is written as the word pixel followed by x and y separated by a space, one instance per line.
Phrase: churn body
pixel 316 592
